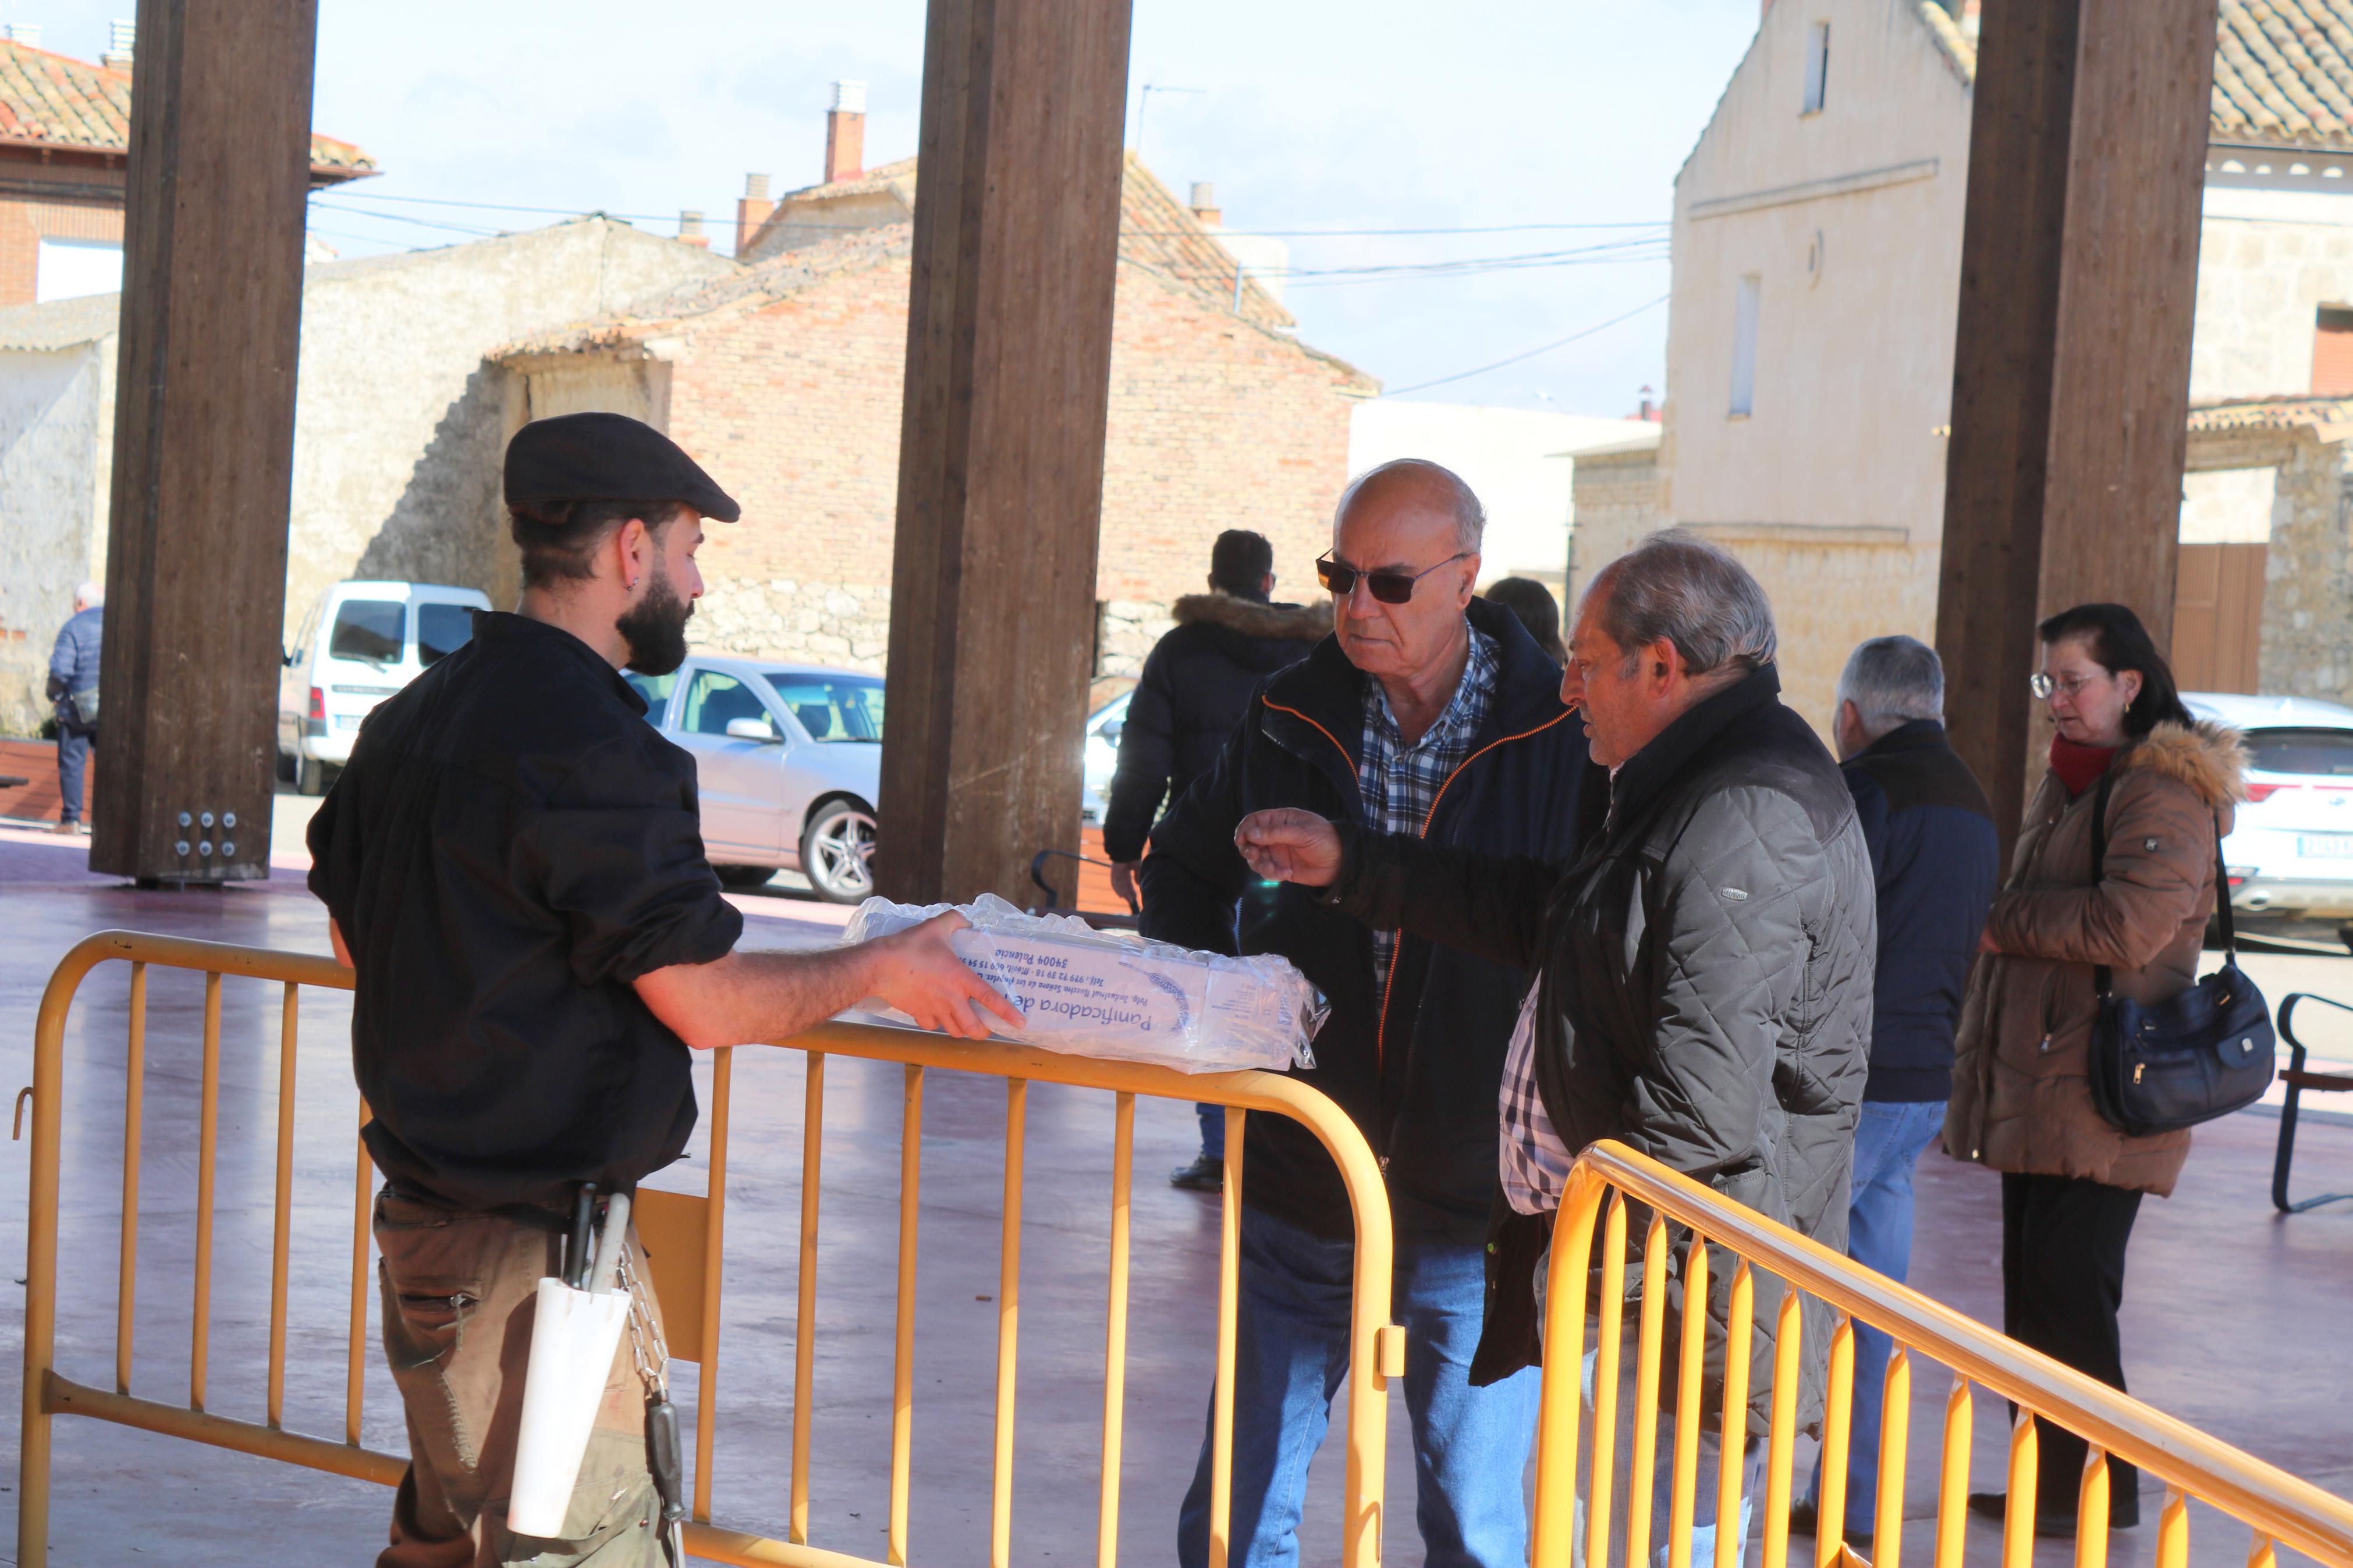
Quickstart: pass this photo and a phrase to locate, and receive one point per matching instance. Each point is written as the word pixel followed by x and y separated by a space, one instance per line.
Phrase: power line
pixel 1548 348
pixel 1157 232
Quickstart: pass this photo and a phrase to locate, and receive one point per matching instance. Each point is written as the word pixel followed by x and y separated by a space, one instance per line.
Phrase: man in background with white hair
pixel 1934 857
pixel 73 689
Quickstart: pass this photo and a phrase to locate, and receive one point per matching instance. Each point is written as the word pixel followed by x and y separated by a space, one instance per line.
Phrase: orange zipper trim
pixel 1319 729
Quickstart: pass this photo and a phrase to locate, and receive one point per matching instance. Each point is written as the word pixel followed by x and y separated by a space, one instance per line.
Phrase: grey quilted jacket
pixel 1705 995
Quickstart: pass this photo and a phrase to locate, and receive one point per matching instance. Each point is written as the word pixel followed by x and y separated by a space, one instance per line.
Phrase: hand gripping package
pixel 1091 993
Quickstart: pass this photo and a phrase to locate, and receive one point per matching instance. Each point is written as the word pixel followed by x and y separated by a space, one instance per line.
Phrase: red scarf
pixel 2079 767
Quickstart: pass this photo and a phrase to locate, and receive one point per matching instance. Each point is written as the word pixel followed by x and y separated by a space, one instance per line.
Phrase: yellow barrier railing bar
pixel 714 1221
pixel 281 1232
pixel 1009 1325
pixel 2276 1508
pixel 1122 1174
pixel 805 1304
pixel 134 1091
pixel 1222 1422
pixel 1604 1384
pixel 902 1362
pixel 1377 1348
pixel 200 1332
pixel 1641 1479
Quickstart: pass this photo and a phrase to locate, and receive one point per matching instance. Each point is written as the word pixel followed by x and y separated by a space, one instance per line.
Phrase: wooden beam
pixel 1000 476
pixel 196 572
pixel 2071 375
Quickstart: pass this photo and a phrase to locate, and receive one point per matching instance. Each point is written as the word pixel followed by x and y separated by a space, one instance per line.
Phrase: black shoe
pixel 1206 1174
pixel 2124 1514
pixel 1805 1518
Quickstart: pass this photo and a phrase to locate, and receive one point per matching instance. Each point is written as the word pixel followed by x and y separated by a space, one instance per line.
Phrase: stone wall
pixel 2308 624
pixel 1617 502
pixel 56 413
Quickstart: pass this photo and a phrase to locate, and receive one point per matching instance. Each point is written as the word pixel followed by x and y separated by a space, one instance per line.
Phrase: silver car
pixel 789 760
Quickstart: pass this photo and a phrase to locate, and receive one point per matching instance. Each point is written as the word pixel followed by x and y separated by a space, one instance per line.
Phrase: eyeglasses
pixel 2042 685
pixel 1389 587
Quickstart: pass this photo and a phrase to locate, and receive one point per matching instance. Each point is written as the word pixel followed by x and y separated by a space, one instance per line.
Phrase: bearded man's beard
pixel 655 628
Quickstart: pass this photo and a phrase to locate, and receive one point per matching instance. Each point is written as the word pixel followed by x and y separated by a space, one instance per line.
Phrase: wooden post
pixel 2071 375
pixel 196 571
pixel 1001 453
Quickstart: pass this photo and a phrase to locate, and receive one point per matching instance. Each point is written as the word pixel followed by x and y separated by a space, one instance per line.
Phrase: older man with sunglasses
pixel 1430 713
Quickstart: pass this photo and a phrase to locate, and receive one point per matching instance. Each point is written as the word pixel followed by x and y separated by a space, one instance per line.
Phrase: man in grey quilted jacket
pixel 1704 993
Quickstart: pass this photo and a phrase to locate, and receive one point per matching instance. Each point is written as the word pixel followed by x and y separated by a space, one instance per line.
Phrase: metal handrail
pixel 1376 1347
pixel 2277 1507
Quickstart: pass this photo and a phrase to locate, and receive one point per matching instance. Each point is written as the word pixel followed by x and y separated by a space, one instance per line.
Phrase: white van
pixel 361 642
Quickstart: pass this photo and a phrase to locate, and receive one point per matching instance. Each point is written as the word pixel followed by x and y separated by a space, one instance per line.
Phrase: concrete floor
pixel 2235 1319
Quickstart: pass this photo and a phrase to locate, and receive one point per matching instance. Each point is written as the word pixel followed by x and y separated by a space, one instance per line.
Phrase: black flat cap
pixel 607 456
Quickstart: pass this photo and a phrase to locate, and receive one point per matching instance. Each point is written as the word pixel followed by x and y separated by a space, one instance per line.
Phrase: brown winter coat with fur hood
pixel 2021 1097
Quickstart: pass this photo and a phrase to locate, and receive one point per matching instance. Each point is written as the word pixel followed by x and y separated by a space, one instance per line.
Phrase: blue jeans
pixel 1887 1145
pixel 73 756
pixel 1213 1129
pixel 1291 1356
pixel 1662 1474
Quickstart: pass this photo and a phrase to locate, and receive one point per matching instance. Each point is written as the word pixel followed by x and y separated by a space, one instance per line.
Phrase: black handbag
pixel 2207 1052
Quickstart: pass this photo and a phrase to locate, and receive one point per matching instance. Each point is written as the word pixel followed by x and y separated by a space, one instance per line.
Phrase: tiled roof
pixel 2288 412
pixel 1157 232
pixel 2282 71
pixel 56 100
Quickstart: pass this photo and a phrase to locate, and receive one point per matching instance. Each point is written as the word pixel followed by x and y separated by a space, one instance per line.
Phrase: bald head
pixel 1418 488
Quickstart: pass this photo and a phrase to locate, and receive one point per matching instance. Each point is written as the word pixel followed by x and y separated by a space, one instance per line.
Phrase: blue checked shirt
pixel 1401 783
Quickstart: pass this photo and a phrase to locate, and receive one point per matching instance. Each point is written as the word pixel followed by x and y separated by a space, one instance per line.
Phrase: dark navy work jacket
pixel 1419 1070
pixel 1936 857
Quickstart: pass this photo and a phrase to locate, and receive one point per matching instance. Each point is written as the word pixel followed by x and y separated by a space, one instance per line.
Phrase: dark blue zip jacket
pixel 1419 1071
pixel 1936 857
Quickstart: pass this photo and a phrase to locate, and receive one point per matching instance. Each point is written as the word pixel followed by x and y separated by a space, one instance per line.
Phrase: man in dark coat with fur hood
pixel 1195 685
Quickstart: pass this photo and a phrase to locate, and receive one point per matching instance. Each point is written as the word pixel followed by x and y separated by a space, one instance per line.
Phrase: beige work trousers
pixel 459 1293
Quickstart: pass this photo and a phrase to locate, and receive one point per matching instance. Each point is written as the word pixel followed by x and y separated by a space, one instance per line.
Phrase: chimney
pixel 1650 413
pixel 1971 19
pixel 845 132
pixel 690 229
pixel 751 211
pixel 1205 205
pixel 120 37
pixel 26 33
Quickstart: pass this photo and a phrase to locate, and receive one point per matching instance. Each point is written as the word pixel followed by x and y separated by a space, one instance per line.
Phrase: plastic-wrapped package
pixel 1091 993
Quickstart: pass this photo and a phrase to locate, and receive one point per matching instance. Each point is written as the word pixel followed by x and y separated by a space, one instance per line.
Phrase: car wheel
pixel 744 876
pixel 837 852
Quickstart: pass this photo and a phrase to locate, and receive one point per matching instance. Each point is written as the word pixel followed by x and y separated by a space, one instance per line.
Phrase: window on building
pixel 68 269
pixel 2332 351
pixel 1818 66
pixel 1743 345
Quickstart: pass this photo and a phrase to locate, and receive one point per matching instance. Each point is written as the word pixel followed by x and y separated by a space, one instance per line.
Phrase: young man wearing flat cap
pixel 516 871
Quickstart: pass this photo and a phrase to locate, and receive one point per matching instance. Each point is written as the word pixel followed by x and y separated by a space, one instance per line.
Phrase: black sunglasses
pixel 1389 587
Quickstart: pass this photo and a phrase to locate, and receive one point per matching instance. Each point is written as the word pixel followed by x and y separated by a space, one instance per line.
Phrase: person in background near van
pixel 1538 609
pixel 2071 1182
pixel 1934 856
pixel 1429 713
pixel 73 688
pixel 1195 685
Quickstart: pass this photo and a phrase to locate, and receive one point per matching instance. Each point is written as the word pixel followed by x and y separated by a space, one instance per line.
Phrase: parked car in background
pixel 2291 851
pixel 789 761
pixel 1102 757
pixel 362 642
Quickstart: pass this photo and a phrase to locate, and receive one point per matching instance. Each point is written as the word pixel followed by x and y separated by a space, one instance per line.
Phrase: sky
pixel 1558 125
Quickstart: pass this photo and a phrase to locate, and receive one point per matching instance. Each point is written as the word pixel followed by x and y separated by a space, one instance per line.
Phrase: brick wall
pixel 795 407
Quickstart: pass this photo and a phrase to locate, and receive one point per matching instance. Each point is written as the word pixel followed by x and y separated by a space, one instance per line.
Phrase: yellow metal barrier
pixel 2278 1509
pixel 686 1237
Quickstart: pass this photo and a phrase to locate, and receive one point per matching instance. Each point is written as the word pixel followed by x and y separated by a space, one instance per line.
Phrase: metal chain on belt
pixel 646 1343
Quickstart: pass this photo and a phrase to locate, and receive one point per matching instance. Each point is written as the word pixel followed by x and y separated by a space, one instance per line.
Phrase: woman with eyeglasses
pixel 2071 1182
